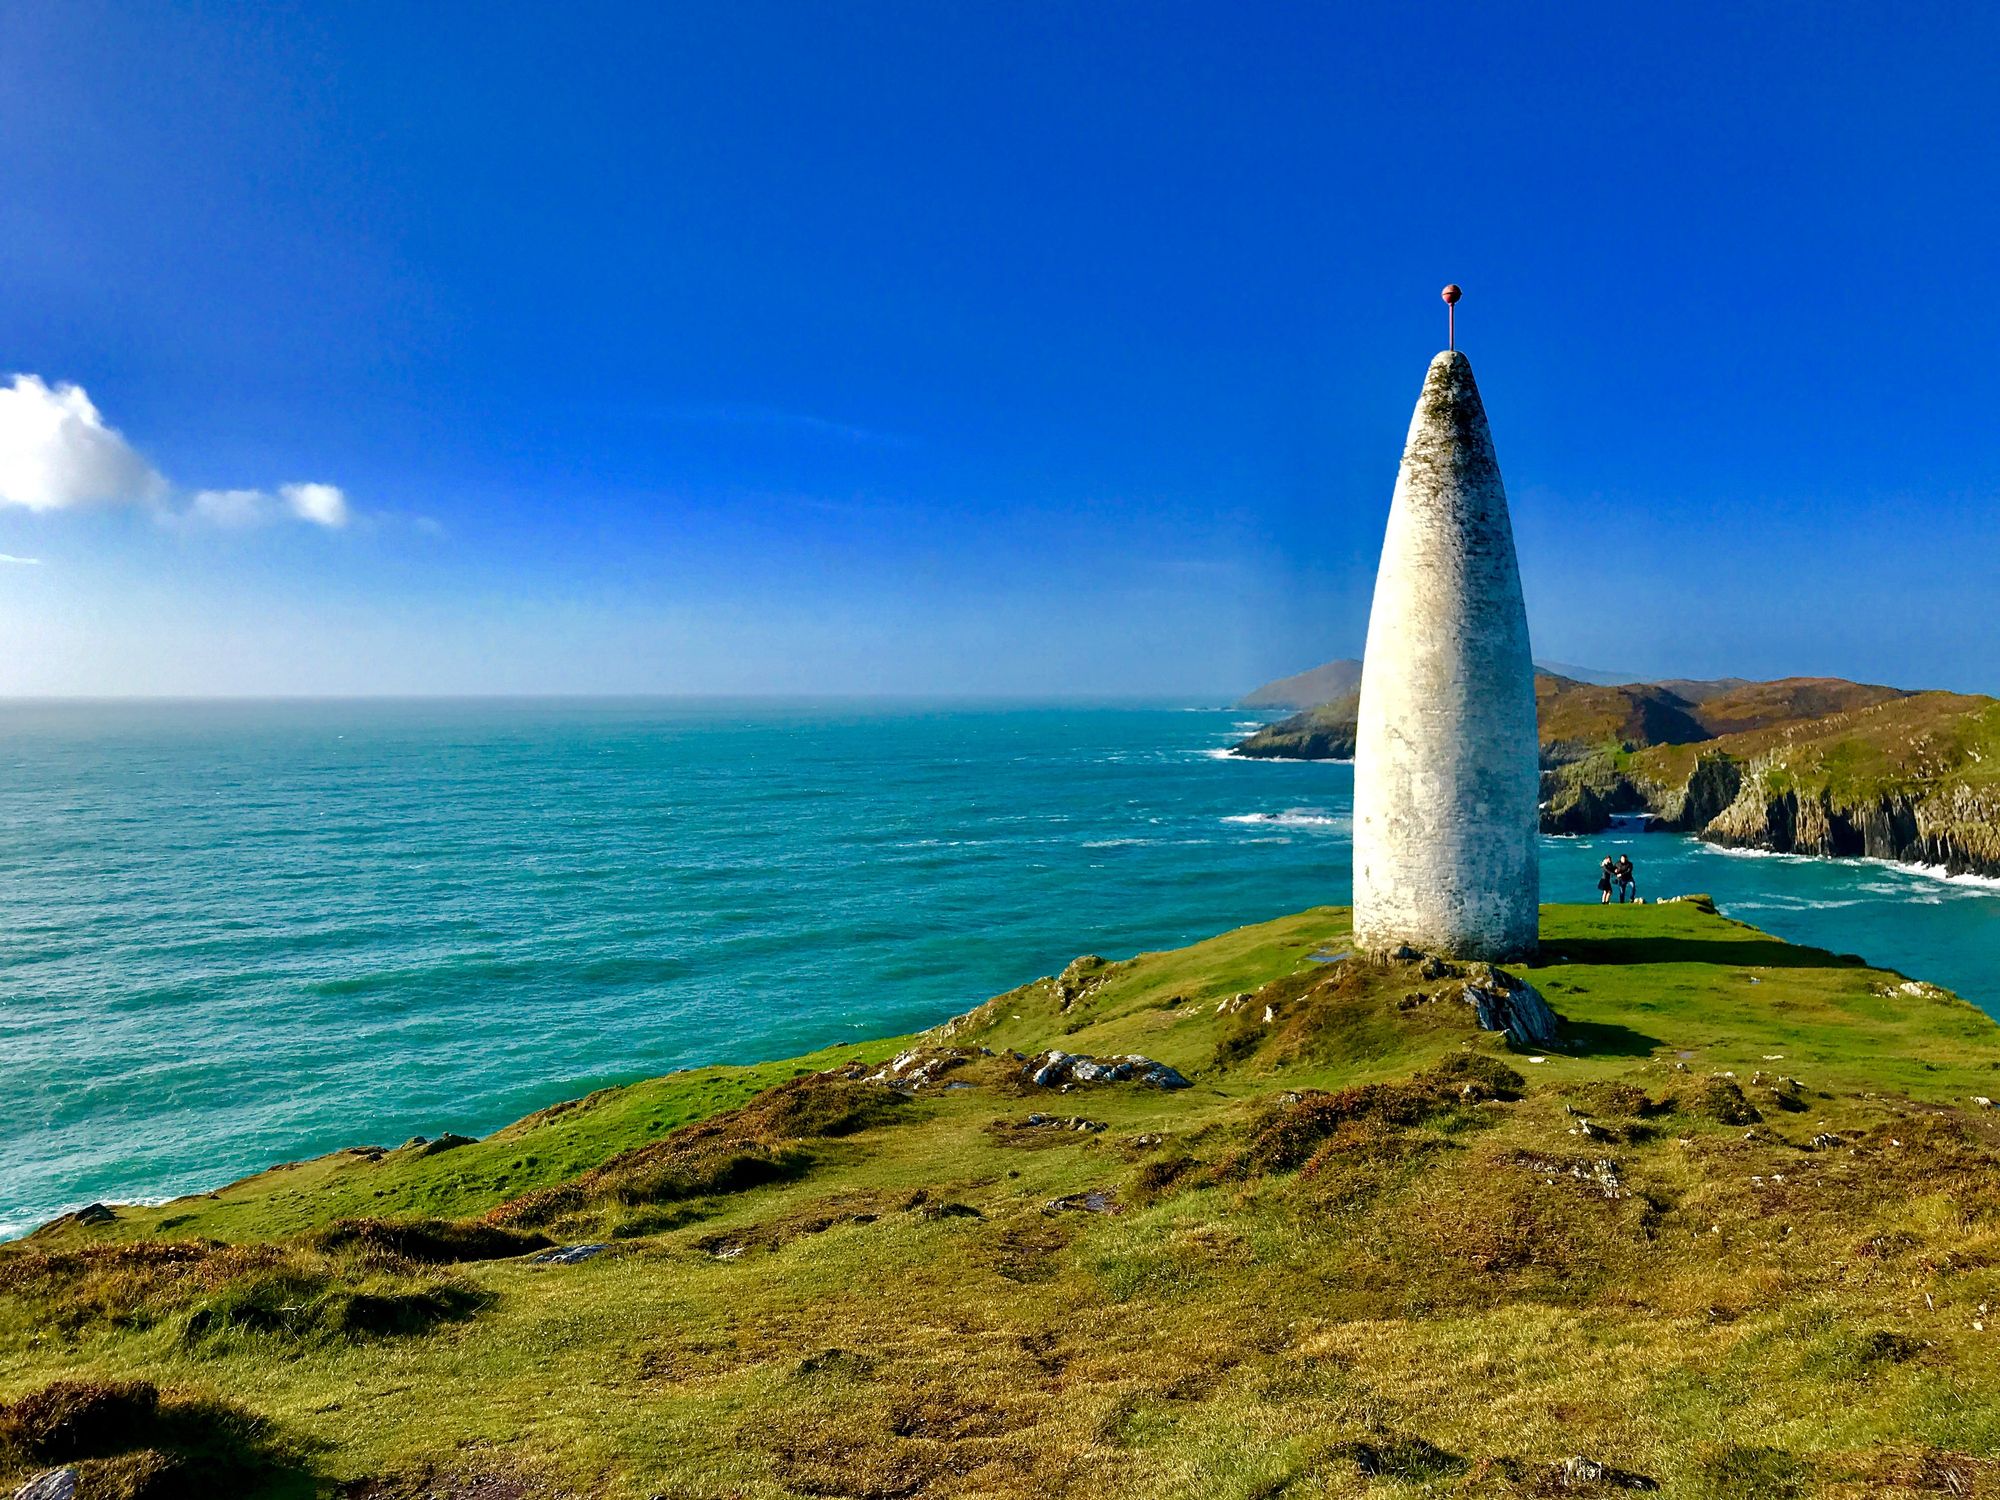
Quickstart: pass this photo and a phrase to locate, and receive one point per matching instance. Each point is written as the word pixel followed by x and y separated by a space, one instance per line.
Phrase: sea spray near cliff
pixel 237 934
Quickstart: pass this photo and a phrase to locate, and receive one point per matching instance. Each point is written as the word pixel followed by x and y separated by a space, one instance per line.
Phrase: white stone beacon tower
pixel 1446 760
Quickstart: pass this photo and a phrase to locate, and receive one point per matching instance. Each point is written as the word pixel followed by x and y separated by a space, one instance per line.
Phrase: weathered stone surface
pixel 1084 974
pixel 567 1255
pixel 921 1067
pixel 1504 1003
pixel 56 1484
pixel 1446 772
pixel 1060 1069
pixel 1579 1472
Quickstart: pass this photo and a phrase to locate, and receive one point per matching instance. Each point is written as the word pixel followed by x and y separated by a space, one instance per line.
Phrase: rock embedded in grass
pixel 1055 1070
pixel 56 1484
pixel 1502 1002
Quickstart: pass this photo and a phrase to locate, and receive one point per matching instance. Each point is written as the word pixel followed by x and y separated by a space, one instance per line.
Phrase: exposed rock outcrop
pixel 1503 1002
pixel 1054 1070
pixel 1323 733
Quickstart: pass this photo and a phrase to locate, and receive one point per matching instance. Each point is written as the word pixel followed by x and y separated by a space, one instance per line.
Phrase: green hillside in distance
pixel 1737 1233
pixel 1334 680
pixel 1802 765
pixel 1577 719
pixel 1322 684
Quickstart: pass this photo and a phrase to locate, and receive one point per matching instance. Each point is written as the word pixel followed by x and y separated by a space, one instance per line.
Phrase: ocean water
pixel 236 934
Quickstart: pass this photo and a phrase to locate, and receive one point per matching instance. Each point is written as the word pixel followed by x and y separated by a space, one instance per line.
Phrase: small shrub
pixel 1720 1100
pixel 1402 1458
pixel 742 1148
pixel 1767 1473
pixel 131 1442
pixel 1475 1076
pixel 1155 1179
pixel 304 1305
pixel 428 1241
pixel 1289 1135
pixel 79 1419
pixel 820 1104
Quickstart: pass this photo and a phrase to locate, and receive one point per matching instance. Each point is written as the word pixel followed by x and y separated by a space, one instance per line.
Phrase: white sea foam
pixel 1982 884
pixel 1223 752
pixel 1970 884
pixel 1291 817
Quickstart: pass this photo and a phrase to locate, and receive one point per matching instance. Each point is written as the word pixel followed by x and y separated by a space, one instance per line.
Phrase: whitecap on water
pixel 1291 817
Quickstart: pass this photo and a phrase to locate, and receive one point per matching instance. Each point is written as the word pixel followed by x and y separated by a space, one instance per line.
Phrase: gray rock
pixel 56 1484
pixel 920 1067
pixel 566 1255
pixel 1503 1003
pixel 1066 1122
pixel 1096 1201
pixel 1580 1472
pixel 1059 1070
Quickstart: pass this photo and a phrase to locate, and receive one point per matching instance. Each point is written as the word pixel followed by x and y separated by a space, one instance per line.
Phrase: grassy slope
pixel 547 1147
pixel 1899 746
pixel 1747 1316
pixel 1575 718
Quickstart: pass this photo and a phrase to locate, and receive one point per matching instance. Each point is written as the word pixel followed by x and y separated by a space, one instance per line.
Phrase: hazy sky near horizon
pixel 1008 348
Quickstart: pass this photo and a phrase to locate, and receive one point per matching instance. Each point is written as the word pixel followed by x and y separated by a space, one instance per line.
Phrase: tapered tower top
pixel 1446 773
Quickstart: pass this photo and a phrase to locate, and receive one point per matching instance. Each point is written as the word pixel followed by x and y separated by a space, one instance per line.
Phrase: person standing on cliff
pixel 1605 878
pixel 1627 877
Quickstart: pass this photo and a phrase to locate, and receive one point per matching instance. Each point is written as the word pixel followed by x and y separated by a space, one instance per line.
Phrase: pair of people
pixel 1616 874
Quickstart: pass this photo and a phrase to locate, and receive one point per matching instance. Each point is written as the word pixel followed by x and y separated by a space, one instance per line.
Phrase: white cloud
pixel 234 510
pixel 321 504
pixel 230 509
pixel 56 451
pixel 7 558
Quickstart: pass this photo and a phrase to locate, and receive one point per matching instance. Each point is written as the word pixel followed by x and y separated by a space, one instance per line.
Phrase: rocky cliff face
pixel 1955 826
pixel 1323 733
pixel 1908 780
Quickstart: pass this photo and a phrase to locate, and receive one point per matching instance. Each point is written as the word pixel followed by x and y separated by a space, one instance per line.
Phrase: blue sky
pixel 1022 348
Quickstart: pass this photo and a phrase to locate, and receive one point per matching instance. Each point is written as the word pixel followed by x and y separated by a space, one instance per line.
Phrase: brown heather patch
pixel 728 1153
pixel 129 1440
pixel 1290 1133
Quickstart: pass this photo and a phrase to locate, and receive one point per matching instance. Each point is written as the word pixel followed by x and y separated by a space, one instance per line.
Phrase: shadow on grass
pixel 1742 953
pixel 128 1438
pixel 1605 1039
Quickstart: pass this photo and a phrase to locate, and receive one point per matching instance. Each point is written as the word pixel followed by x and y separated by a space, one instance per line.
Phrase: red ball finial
pixel 1451 293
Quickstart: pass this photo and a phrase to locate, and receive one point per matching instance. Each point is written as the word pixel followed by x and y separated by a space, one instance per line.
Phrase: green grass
pixel 1353 1259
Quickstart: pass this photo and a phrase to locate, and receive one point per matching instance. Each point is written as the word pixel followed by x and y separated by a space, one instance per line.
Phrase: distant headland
pixel 1801 765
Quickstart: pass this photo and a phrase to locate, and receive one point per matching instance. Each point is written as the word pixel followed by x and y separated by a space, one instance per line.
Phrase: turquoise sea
pixel 235 934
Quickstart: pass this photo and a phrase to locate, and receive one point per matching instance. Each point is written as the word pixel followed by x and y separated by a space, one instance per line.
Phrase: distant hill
pixel 1324 684
pixel 1581 719
pixel 1585 674
pixel 1912 777
pixel 1336 679
pixel 1803 765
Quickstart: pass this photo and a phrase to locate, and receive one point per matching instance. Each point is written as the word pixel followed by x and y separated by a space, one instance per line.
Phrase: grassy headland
pixel 1806 765
pixel 1739 1235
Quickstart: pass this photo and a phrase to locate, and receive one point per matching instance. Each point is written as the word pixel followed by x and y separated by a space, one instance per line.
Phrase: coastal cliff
pixel 1816 766
pixel 1247 1218
pixel 1914 779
